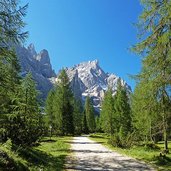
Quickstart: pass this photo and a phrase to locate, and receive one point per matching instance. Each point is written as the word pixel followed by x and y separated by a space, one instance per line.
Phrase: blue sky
pixel 74 31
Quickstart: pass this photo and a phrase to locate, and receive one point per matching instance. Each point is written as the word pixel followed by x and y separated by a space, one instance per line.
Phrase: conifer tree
pixel 108 122
pixel 62 104
pixel 122 110
pixel 155 47
pixel 11 24
pixel 146 121
pixel 98 124
pixel 84 124
pixel 49 110
pixel 25 126
pixel 77 114
pixel 89 111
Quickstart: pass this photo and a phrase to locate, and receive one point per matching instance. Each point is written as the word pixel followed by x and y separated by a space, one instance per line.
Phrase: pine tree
pixel 62 104
pixel 89 111
pixel 155 46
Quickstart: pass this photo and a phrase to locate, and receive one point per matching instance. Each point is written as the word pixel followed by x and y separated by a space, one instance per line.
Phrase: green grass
pixel 140 152
pixel 10 160
pixel 48 155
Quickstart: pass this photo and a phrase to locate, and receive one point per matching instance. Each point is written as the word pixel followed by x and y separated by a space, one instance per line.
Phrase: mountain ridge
pixel 86 78
pixel 89 79
pixel 39 65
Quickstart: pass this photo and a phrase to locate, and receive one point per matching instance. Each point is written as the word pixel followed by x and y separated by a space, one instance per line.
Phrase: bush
pixel 122 140
pixel 151 146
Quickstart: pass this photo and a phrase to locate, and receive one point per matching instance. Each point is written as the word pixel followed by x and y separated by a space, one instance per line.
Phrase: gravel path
pixel 90 155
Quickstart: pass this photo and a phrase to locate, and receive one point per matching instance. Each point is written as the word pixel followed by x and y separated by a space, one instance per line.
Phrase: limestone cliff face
pixel 39 65
pixel 88 79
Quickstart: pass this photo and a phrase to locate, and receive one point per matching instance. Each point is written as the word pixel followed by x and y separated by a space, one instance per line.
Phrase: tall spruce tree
pixel 108 122
pixel 77 115
pixel 89 111
pixel 122 110
pixel 85 129
pixel 62 105
pixel 155 30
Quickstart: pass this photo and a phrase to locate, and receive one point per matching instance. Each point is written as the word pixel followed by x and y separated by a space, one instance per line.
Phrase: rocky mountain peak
pixel 39 65
pixel 89 79
pixel 43 56
pixel 32 50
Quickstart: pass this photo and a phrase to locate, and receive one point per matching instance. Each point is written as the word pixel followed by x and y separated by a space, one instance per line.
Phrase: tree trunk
pixel 165 134
pixel 164 123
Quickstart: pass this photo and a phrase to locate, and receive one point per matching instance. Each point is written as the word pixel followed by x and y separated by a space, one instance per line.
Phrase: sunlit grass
pixel 50 155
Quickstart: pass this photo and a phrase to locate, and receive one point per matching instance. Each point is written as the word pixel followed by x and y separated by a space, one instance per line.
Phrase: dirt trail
pixel 90 155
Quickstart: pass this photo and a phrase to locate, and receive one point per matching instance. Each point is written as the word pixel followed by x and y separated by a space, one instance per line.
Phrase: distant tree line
pixel 66 115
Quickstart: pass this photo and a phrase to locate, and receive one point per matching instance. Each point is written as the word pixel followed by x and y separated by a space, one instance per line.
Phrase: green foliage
pixel 85 129
pixel 122 110
pixel 116 117
pixel 60 108
pixel 9 159
pixel 98 124
pixel 25 126
pixel 107 115
pixel 48 155
pixel 146 119
pixel 154 79
pixel 50 116
pixel 89 112
pixel 122 140
pixel 11 25
pixel 9 88
pixel 77 114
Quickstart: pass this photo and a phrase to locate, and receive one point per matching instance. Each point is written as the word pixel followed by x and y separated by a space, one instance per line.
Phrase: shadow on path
pixel 89 155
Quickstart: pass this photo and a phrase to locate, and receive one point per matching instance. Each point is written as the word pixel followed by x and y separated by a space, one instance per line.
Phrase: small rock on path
pixel 90 155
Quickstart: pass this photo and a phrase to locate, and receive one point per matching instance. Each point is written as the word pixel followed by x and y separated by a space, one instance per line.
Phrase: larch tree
pixel 25 127
pixel 50 116
pixel 11 25
pixel 155 48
